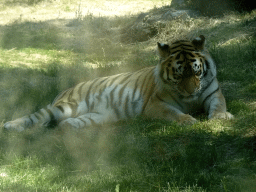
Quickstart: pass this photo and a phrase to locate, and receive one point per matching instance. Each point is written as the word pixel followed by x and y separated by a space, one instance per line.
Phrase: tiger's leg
pixel 162 110
pixel 216 106
pixel 42 117
pixel 85 120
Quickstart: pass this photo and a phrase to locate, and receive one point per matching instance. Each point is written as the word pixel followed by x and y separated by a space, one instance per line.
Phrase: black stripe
pixel 88 92
pixel 103 81
pixel 151 77
pixel 192 50
pixel 60 96
pixel 181 41
pixel 41 112
pixel 107 104
pixel 60 108
pixel 207 68
pixel 175 51
pixel 121 93
pixel 134 103
pixel 38 116
pixel 125 78
pixel 71 94
pixel 149 93
pixel 162 77
pixel 111 96
pixel 73 107
pixel 178 56
pixel 167 71
pixel 144 81
pixel 178 46
pixel 134 106
pixel 72 103
pixel 99 97
pixel 113 80
pixel 81 119
pixel 206 86
pixel 103 87
pixel 50 114
pixel 135 88
pixel 208 96
pixel 92 121
pixel 80 90
pixel 100 92
pixel 160 98
pixel 183 46
pixel 190 54
pixel 205 73
pixel 116 112
pixel 207 64
pixel 31 119
pixel 187 46
pixel 26 122
pixel 91 107
pixel 126 107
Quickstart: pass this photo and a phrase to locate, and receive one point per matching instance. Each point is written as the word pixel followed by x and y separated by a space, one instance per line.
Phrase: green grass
pixel 36 63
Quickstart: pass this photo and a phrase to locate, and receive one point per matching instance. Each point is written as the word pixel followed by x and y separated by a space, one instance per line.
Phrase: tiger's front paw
pixel 65 124
pixel 186 119
pixel 12 126
pixel 224 115
pixel 71 123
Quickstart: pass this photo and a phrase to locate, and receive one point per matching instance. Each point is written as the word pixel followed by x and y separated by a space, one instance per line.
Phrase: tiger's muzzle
pixel 189 85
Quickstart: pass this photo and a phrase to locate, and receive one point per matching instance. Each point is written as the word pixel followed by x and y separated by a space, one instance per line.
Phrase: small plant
pixel 79 12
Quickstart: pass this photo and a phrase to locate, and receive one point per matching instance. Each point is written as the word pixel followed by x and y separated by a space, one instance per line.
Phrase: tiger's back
pixel 183 81
pixel 115 97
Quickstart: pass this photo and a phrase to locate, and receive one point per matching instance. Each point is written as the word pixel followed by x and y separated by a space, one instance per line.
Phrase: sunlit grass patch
pixel 68 9
pixel 34 58
pixel 26 173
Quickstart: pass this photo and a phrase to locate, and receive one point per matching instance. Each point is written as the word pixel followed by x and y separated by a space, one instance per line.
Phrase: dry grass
pixel 71 9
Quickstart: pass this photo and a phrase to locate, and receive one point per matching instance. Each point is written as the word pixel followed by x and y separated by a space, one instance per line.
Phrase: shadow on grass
pixel 21 2
pixel 140 154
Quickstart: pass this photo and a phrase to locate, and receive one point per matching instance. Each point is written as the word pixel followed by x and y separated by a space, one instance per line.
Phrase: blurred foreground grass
pixel 39 59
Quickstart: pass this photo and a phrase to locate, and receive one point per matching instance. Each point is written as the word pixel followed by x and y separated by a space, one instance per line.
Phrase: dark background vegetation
pixel 219 7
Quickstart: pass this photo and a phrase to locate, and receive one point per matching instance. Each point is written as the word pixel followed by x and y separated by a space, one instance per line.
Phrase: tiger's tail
pixel 47 117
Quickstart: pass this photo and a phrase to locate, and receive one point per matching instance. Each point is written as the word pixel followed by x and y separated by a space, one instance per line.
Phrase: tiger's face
pixel 182 65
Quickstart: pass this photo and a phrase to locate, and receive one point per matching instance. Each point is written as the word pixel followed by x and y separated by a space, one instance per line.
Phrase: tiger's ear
pixel 163 50
pixel 199 42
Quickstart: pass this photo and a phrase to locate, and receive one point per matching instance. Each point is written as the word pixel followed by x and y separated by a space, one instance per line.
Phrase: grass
pixel 39 59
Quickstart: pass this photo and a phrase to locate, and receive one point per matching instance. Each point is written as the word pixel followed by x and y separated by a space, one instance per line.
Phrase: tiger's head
pixel 183 64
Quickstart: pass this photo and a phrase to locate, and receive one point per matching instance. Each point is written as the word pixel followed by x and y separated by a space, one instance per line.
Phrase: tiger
pixel 182 83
